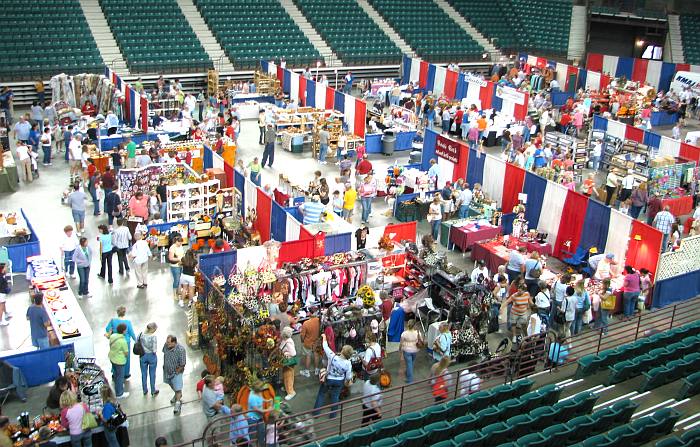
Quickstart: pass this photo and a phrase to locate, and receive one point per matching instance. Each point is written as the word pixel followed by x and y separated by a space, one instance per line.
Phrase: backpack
pixel 375 364
pixel 560 314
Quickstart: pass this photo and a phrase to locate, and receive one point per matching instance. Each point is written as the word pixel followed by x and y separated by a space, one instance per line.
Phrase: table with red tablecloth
pixel 679 206
pixel 467 235
pixel 493 253
pixel 543 249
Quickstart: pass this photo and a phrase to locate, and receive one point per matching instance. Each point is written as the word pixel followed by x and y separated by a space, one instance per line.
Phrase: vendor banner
pixel 448 149
pixel 510 94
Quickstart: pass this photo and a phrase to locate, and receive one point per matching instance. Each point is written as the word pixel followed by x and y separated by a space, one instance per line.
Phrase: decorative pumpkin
pixel 268 395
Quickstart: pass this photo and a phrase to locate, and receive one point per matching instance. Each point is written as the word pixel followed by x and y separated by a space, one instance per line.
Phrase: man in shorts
pixel 174 360
pixel 520 311
pixel 349 199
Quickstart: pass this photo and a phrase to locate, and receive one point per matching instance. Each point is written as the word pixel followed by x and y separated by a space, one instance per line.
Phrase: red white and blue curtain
pixel 664 144
pixel 314 94
pixel 454 85
pixel 656 73
pixel 135 107
pixel 551 208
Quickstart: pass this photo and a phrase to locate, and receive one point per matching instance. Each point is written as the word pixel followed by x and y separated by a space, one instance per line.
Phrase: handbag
pixel 138 348
pixel 608 302
pixel 420 343
pixel 89 421
pixel 375 364
pixel 117 418
pixel 560 314
pixel 290 361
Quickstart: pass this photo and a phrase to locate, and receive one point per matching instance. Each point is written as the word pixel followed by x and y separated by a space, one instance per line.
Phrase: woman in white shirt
pixel 69 242
pixel 435 216
pixel 140 255
pixel 480 270
pixel 410 338
pixel 374 350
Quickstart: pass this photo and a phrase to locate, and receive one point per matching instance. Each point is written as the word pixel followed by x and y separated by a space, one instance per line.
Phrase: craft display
pixel 148 178
pixel 187 200
pixel 13 227
pixel 668 180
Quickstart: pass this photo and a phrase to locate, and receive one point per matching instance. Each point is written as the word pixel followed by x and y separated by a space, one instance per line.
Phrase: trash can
pixel 298 144
pixel 388 142
pixel 416 152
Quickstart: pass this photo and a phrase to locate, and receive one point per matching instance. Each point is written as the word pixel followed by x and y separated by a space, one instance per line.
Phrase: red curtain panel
pixel 571 223
pixel 401 232
pixel 264 208
pixel 360 116
pixel 294 251
pixel 512 186
pixel 644 247
pixel 595 62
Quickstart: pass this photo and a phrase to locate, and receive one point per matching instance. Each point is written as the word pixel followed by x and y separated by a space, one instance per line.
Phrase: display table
pixel 662 118
pixel 19 249
pixel 67 307
pixel 336 226
pixel 493 253
pixel 404 142
pixel 679 206
pixel 543 249
pixel 107 143
pixel 98 437
pixel 467 235
pixel 244 97
pixel 9 178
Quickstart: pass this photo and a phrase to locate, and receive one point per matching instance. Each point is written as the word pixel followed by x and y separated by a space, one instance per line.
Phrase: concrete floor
pixel 152 417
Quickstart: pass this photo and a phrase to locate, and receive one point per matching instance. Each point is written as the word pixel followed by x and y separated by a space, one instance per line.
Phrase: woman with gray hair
pixel 149 359
pixel 289 352
pixel 140 254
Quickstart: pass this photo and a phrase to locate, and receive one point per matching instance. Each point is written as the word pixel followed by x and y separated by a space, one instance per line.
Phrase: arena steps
pixel 388 30
pixel 106 43
pixel 205 36
pixel 675 39
pixel 577 33
pixel 330 58
pixel 471 30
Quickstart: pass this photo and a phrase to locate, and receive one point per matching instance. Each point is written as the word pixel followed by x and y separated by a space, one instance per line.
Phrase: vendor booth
pixel 9 177
pixel 18 237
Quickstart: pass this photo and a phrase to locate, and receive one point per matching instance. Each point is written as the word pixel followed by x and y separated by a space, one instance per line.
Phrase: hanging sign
pixel 473 79
pixel 448 149
pixel 510 94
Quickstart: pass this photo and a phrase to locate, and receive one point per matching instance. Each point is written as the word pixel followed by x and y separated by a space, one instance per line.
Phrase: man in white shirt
pixel 75 153
pixel 627 185
pixel 112 122
pixel 465 199
pixel 676 132
pixel 25 161
pixel 191 102
pixel 69 242
pixel 596 153
pixel 480 274
pixel 446 120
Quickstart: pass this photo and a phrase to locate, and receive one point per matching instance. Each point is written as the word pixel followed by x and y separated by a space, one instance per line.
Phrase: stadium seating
pixel 673 339
pixel 40 40
pixel 543 25
pixel 690 387
pixel 154 36
pixel 350 32
pixel 251 30
pixel 690 32
pixel 429 30
pixel 638 432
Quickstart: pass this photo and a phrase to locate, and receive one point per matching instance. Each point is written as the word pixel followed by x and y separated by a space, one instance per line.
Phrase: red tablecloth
pixel 490 253
pixel 465 237
pixel 543 249
pixel 679 206
pixel 281 198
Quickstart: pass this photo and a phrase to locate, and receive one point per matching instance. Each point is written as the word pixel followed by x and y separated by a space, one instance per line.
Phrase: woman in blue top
pixel 540 159
pixel 34 136
pixel 583 303
pixel 128 335
pixel 106 250
pixel 109 408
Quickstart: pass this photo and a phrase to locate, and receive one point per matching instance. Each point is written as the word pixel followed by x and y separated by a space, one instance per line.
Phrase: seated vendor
pixel 89 109
pixel 220 245
pixel 59 386
pixel 601 265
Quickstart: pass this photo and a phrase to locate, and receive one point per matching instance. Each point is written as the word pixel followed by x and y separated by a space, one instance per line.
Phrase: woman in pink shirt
pixel 631 287
pixel 72 414
pixel 367 191
pixel 138 206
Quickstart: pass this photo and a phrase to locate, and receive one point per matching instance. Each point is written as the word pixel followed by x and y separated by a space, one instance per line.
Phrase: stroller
pixel 295 429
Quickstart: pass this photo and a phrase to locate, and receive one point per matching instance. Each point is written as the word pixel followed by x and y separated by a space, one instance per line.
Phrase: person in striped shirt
pixel 520 311
pixel 312 210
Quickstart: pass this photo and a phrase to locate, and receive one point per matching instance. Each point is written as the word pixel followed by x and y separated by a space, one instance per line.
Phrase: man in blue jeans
pixel 38 322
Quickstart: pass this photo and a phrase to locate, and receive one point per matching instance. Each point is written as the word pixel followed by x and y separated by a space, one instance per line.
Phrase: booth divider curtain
pixel 676 289
pixel 278 223
pixel 534 187
pixel 618 231
pixel 360 116
pixel 239 184
pixel 339 101
pixel 475 167
pixel 305 234
pixel 330 98
pixel 292 229
pixel 263 222
pixel 251 197
pixel 423 75
pixel 595 227
pixel 310 93
pixel 507 223
pixel 571 223
pixel 645 252
pixel 634 134
pixel 225 261
pixel 552 209
pixel 337 243
pixel 401 232
pixel 286 81
pixel 429 142
pixel 512 186
pixel 207 159
pixel 600 123
pixel 493 182
pixel 639 71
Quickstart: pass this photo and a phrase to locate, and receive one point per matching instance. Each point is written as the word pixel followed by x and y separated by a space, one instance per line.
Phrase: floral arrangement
pixel 266 338
pixel 366 294
pixel 385 243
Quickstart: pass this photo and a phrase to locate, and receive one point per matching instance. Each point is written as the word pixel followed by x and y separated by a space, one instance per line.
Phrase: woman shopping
pixel 189 266
pixel 109 409
pixel 435 216
pixel 106 251
pixel 140 254
pixel 82 257
pixel 410 339
pixel 129 335
pixel 289 352
pixel 73 417
pixel 175 254
pixel 149 359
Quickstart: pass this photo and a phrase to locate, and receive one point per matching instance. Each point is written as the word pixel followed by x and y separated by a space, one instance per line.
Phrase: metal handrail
pixel 504 369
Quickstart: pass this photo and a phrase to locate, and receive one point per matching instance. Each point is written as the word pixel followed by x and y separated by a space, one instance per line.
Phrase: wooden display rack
pixel 266 84
pixel 212 82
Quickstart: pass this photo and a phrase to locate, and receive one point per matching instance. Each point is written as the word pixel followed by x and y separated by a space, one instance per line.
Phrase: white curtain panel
pixel 439 85
pixel 249 256
pixel 375 233
pixel 669 146
pixel 292 229
pixel 617 129
pixel 610 64
pixel 272 69
pixel 494 177
pixel 654 73
pixel 593 80
pixel 415 70
pixel 552 207
pixel 618 235
pixel 251 196
pixel 531 60
pixel 294 87
pixel 562 70
pixel 350 113
pixel 320 96
pixel 446 170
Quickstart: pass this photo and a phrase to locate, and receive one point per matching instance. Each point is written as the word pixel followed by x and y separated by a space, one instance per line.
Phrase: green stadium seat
pixel 387 428
pixel 556 434
pixel 496 433
pixel 691 437
pixel 386 442
pixel 472 438
pixel 335 441
pixel 533 440
pixel 521 424
pixel 690 386
pixel 412 438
